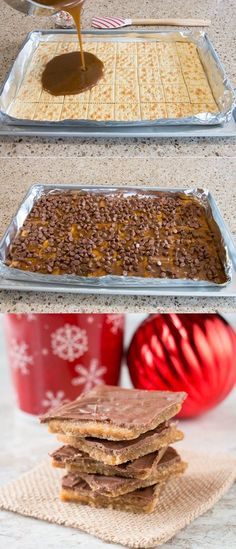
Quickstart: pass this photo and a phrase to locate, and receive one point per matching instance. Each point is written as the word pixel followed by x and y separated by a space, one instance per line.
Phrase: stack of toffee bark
pixel 116 447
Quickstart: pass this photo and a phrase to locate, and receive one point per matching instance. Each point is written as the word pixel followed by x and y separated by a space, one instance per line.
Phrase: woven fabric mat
pixel 36 494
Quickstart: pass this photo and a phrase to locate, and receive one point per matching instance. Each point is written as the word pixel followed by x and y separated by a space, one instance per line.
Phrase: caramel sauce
pixel 73 72
pixel 64 75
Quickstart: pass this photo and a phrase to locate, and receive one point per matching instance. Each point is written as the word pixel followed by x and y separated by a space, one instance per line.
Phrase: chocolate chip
pixel 89 231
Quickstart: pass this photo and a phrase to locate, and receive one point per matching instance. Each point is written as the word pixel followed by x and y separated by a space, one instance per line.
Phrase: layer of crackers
pixel 142 81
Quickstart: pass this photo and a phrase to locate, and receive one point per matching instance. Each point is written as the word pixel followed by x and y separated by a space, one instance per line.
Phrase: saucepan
pixel 30 7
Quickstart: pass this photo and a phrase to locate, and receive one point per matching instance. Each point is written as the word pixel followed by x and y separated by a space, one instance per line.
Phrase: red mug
pixel 55 357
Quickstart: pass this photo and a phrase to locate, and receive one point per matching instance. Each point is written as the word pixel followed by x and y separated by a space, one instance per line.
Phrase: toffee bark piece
pixel 114 413
pixel 143 500
pixel 80 462
pixel 114 486
pixel 117 452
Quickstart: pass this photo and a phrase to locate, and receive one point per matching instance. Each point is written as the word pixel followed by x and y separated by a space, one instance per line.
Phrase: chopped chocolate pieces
pixel 164 235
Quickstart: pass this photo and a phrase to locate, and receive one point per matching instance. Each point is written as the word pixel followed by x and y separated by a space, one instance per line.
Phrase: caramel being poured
pixel 73 72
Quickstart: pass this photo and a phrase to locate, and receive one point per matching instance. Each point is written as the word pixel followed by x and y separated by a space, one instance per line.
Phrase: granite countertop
pixel 24 443
pixel 15 26
pixel 216 174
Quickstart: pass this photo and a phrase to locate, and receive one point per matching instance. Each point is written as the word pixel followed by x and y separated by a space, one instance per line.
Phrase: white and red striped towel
pixel 110 22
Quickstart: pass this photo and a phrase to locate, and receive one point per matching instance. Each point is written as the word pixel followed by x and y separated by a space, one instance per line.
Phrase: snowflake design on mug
pixel 45 352
pixel 90 319
pixel 20 358
pixel 29 317
pixel 52 400
pixel 89 377
pixel 116 322
pixel 69 342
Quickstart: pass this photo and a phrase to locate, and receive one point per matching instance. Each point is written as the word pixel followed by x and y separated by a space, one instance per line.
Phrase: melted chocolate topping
pixel 117 406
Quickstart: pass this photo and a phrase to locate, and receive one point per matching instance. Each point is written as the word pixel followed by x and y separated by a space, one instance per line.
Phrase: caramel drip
pixel 74 72
pixel 64 74
pixel 75 12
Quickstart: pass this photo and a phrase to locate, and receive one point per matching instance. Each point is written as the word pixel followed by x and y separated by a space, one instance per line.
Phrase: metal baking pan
pixel 221 87
pixel 120 283
pixel 24 286
pixel 139 132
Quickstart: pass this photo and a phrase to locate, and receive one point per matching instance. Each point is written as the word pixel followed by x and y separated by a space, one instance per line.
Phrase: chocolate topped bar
pixel 115 452
pixel 143 500
pixel 114 486
pixel 114 413
pixel 80 462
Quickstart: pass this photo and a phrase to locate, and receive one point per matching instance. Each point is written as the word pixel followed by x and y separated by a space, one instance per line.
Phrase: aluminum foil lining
pixel 221 87
pixel 110 281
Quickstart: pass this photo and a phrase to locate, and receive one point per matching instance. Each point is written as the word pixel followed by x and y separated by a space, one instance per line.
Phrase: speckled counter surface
pixel 216 174
pixel 15 26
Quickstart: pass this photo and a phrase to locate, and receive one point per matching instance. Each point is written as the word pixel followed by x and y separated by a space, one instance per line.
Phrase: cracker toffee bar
pixel 128 422
pixel 116 452
pixel 143 500
pixel 80 462
pixel 114 486
pixel 167 235
pixel 114 413
pixel 149 469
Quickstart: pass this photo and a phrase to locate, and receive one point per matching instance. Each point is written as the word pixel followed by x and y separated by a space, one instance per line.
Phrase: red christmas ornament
pixel 195 353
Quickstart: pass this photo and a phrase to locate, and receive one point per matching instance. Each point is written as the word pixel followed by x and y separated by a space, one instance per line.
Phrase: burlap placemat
pixel 207 478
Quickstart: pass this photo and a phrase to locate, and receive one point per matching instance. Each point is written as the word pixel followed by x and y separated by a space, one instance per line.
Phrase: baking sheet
pixel 139 132
pixel 110 281
pixel 26 286
pixel 221 87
